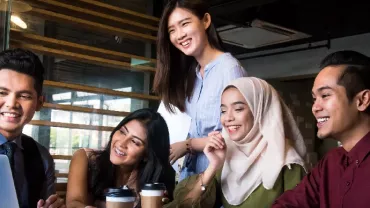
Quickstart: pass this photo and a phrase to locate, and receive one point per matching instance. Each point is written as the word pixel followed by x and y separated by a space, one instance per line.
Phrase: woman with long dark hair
pixel 192 70
pixel 137 153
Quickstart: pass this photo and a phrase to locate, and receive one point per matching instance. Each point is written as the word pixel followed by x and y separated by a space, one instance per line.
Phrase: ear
pixel 363 100
pixel 207 20
pixel 40 102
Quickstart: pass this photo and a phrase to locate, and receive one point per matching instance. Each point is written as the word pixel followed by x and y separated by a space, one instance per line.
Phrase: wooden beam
pixel 70 126
pixel 81 57
pixel 18 35
pixel 84 110
pixel 104 91
pixel 62 157
pixel 114 8
pixel 49 15
pixel 98 14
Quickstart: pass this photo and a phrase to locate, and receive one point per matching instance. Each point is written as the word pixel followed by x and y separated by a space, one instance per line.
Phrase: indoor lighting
pixel 18 21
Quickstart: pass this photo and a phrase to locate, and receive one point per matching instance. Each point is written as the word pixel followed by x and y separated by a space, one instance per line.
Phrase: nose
pixel 180 35
pixel 124 142
pixel 229 116
pixel 11 101
pixel 316 107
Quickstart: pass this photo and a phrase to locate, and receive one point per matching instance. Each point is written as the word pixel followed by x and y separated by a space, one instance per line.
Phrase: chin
pixel 322 135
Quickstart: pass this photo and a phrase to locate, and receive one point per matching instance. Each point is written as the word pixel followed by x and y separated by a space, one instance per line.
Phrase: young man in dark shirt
pixel 341 94
pixel 21 80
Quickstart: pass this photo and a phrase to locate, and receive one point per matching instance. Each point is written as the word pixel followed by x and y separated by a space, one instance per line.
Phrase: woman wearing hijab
pixel 258 156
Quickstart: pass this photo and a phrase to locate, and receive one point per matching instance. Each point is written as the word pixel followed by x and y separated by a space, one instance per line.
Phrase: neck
pixel 123 174
pixel 206 56
pixel 10 136
pixel 350 138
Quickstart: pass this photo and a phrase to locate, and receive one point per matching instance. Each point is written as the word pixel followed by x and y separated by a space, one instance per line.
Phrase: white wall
pixel 304 62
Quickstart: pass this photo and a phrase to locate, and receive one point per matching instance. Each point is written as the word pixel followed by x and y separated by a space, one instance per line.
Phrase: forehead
pixel 329 77
pixel 231 95
pixel 136 128
pixel 179 14
pixel 15 81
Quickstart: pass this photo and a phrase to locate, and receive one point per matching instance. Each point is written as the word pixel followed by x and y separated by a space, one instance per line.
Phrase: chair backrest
pixel 62 178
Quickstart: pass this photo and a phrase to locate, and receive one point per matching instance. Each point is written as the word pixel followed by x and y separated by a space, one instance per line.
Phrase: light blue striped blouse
pixel 204 105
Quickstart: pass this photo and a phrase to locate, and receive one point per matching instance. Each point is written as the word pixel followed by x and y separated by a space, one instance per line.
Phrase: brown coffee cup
pixel 120 197
pixel 152 194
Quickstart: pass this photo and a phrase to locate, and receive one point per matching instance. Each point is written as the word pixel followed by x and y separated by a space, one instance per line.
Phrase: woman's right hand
pixel 215 150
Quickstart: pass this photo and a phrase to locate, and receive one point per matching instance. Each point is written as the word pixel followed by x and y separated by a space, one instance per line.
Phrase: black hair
pixel 153 169
pixel 25 62
pixel 356 74
pixel 175 76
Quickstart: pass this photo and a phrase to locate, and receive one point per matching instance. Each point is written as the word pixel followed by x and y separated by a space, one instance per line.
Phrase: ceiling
pixel 320 19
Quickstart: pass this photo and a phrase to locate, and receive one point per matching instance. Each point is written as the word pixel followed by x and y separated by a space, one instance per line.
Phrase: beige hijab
pixel 273 142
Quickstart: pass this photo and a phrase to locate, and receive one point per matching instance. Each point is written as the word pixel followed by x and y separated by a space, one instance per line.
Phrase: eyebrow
pixel 179 22
pixel 20 92
pixel 322 89
pixel 235 103
pixel 136 137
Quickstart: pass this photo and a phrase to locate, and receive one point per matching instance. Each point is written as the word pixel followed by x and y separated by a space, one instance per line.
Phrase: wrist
pixel 208 175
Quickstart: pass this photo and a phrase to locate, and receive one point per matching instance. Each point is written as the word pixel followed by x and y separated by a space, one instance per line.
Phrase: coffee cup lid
pixel 154 186
pixel 123 191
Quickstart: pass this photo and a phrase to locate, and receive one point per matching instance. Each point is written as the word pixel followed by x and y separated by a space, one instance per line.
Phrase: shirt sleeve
pixel 305 195
pixel 183 190
pixel 49 185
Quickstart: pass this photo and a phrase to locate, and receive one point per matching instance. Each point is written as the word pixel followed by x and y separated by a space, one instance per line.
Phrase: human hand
pixel 215 150
pixel 52 202
pixel 177 150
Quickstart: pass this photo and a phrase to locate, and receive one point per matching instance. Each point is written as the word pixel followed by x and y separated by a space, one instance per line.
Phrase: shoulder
pixel 332 155
pixel 29 142
pixel 229 65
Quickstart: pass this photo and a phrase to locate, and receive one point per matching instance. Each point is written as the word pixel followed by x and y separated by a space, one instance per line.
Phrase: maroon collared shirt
pixel 340 180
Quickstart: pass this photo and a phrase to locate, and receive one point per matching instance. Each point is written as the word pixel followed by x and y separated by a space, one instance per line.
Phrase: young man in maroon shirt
pixel 341 94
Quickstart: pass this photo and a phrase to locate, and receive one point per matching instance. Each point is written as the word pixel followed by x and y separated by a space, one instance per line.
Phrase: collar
pixel 361 149
pixel 210 65
pixel 17 140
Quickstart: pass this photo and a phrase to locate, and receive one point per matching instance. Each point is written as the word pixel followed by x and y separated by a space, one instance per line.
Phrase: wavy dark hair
pixel 175 76
pixel 156 167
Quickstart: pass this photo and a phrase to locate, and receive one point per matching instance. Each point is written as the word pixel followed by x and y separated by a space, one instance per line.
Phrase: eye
pixel 223 111
pixel 325 95
pixel 239 109
pixel 185 23
pixel 26 97
pixel 3 93
pixel 122 132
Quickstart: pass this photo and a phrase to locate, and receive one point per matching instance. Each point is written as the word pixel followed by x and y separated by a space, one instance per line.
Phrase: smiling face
pixel 187 32
pixel 129 144
pixel 335 114
pixel 236 115
pixel 18 102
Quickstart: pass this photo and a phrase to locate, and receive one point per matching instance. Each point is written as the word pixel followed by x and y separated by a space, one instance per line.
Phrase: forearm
pixel 76 204
pixel 198 144
pixel 204 179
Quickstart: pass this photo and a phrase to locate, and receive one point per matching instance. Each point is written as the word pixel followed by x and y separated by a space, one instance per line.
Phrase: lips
pixel 119 153
pixel 232 128
pixel 186 43
pixel 321 121
pixel 10 116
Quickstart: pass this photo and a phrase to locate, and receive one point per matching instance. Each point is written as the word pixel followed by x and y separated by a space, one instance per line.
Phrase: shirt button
pixel 348 183
pixel 357 162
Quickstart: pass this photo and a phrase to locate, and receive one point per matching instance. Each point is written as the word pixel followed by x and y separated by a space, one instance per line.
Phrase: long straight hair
pixel 175 76
pixel 102 172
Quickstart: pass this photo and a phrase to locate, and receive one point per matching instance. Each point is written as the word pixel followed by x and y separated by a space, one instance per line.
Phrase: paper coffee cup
pixel 152 194
pixel 120 197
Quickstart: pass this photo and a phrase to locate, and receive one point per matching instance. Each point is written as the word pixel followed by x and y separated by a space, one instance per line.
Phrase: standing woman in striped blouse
pixel 192 70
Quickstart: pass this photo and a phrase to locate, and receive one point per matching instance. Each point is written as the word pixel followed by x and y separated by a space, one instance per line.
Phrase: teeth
pixel 233 127
pixel 186 43
pixel 119 152
pixel 13 115
pixel 321 120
